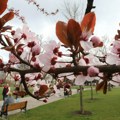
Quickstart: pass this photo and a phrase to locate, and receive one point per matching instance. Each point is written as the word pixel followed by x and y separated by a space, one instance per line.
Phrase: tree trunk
pixel 81 100
pixel 89 6
pixel 91 90
pixel 109 87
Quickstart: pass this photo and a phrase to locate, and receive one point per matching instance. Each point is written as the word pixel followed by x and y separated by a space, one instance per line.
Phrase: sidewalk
pixel 32 103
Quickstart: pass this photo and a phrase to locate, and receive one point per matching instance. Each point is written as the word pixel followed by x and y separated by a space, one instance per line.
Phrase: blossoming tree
pixel 24 47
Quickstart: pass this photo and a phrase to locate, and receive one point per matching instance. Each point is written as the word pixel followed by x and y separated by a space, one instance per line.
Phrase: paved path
pixel 32 103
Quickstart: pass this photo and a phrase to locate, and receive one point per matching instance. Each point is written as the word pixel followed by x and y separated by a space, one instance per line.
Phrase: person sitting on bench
pixel 8 100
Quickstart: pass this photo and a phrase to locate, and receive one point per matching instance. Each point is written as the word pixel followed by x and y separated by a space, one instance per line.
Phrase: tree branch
pixel 26 88
pixel 102 68
pixel 77 69
pixel 89 6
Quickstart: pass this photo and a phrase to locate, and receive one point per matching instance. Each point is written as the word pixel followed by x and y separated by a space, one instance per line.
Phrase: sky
pixel 107 15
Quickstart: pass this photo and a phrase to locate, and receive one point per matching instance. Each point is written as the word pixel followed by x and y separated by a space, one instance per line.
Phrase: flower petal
pixel 80 80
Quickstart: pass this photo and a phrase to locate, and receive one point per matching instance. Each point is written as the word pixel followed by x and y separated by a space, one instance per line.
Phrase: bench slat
pixel 14 106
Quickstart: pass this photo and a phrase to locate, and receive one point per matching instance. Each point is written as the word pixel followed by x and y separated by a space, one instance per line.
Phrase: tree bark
pixel 81 100
pixel 89 6
pixel 102 68
pixel 91 90
pixel 75 69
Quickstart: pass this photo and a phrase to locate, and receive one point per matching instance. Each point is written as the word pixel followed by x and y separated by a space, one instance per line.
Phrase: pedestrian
pixel 6 90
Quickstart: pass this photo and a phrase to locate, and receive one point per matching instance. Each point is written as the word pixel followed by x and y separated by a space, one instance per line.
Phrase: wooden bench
pixel 14 106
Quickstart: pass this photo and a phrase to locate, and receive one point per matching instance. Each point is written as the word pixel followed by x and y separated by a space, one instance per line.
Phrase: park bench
pixel 14 106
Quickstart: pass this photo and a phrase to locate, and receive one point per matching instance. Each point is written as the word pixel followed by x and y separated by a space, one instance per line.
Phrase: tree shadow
pixel 78 112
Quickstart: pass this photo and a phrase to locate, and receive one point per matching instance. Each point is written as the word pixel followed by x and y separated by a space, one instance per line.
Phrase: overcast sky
pixel 107 13
pixel 108 16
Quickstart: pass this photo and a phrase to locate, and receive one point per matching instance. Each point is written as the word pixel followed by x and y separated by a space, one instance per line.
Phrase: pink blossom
pixel 32 83
pixel 82 62
pixel 116 47
pixel 112 59
pixel 93 60
pixel 30 76
pixel 80 80
pixel 114 83
pixel 25 54
pixel 116 78
pixel 45 60
pixel 88 78
pixel 51 45
pixel 13 58
pixel 20 51
pixel 36 50
pixel 35 88
pixel 41 82
pixel 86 45
pixel 29 41
pixel 96 41
pixel 17 34
pixel 24 35
pixel 71 77
pixel 93 71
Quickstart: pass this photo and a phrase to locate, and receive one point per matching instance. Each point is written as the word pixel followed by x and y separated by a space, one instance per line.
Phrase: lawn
pixel 1 88
pixel 103 107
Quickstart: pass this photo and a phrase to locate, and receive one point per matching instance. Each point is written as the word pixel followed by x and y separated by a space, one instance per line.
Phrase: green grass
pixel 77 87
pixel 1 97
pixel 104 107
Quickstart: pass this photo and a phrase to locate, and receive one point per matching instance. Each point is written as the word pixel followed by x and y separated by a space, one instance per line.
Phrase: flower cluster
pixel 31 60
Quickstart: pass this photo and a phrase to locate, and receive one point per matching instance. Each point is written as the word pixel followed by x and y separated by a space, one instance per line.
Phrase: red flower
pixel 33 59
pixel 31 44
pixel 53 60
pixel 19 51
pixel 24 36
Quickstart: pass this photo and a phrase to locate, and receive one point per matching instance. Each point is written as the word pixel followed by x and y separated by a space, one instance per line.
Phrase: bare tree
pixel 73 9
